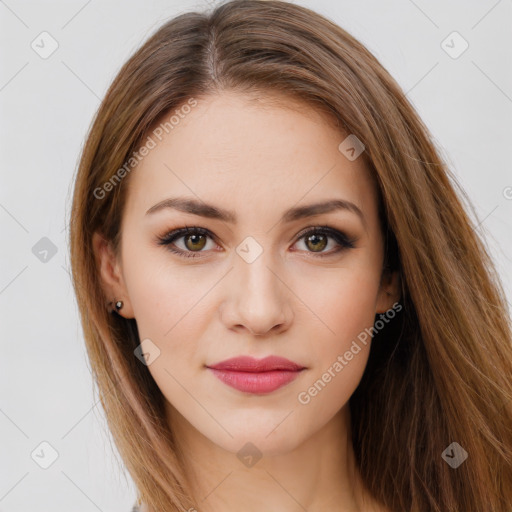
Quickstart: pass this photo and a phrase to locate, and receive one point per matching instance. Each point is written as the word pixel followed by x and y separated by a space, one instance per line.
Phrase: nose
pixel 257 298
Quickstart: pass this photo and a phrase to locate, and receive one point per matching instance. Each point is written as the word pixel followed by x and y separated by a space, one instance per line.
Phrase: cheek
pixel 343 303
pixel 340 355
pixel 169 305
pixel 164 295
pixel 172 312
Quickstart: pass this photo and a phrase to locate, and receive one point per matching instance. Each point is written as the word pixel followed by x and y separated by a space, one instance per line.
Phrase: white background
pixel 46 107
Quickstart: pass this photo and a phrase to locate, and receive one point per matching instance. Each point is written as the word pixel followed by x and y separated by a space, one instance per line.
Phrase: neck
pixel 320 474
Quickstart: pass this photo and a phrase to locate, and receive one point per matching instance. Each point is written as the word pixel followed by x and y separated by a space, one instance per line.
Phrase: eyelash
pixel 343 241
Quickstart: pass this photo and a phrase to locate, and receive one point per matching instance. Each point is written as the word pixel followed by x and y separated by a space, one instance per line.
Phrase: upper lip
pixel 250 364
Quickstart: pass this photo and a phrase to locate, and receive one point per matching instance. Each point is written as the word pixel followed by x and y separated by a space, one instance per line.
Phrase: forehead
pixel 248 150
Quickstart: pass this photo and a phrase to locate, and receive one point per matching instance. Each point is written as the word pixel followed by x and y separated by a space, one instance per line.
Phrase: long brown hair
pixel 439 373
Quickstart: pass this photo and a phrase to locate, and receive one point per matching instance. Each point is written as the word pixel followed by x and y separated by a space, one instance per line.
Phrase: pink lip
pixel 256 375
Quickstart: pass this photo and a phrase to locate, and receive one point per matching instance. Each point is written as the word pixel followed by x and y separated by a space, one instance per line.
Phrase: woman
pixel 285 304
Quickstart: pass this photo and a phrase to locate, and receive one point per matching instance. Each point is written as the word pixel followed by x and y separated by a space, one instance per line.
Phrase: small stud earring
pixel 118 304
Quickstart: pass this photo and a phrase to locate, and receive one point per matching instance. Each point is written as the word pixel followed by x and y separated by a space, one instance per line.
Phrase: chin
pixel 259 437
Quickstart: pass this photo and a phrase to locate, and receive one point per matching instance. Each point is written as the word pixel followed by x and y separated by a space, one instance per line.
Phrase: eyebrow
pixel 200 208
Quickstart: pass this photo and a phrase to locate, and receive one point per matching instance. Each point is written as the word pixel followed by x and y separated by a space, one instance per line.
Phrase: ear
pixel 389 291
pixel 111 276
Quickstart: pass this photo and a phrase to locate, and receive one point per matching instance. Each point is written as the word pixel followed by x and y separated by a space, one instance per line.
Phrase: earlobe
pixel 111 278
pixel 389 292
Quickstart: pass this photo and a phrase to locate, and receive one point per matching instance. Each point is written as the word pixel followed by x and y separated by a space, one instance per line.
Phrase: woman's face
pixel 257 282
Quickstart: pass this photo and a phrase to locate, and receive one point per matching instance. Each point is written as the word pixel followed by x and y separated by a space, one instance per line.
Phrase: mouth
pixel 256 376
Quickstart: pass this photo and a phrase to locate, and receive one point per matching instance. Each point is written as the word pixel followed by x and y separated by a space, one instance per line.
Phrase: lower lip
pixel 256 382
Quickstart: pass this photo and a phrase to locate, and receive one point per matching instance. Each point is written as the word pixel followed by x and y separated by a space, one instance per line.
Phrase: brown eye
pixel 317 239
pixel 316 242
pixel 195 242
pixel 192 240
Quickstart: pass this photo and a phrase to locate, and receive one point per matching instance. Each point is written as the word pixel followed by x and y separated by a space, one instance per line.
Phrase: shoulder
pixel 139 508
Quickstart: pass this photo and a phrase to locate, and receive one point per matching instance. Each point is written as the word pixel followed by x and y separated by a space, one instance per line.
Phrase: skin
pixel 257 158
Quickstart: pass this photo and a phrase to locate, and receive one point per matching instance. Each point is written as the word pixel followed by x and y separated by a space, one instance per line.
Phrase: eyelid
pixel 343 241
pixel 169 237
pixel 325 229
